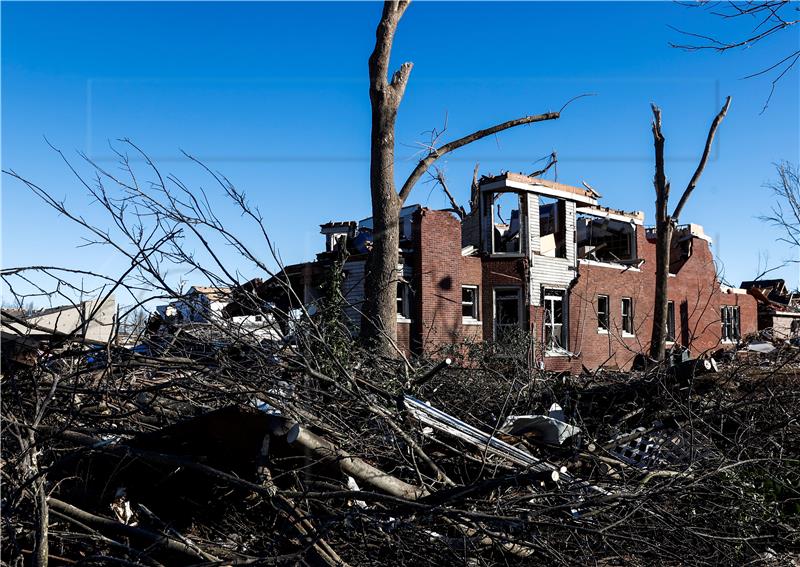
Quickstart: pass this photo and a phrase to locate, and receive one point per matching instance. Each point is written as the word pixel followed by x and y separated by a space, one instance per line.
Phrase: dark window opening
pixel 506 223
pixel 469 302
pixel 602 313
pixel 403 301
pixel 627 315
pixel 731 329
pixel 507 312
pixel 671 321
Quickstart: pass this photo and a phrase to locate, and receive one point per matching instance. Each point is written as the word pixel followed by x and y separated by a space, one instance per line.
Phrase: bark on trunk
pixel 379 314
pixel 665 224
pixel 663 241
pixel 379 320
pixel 664 231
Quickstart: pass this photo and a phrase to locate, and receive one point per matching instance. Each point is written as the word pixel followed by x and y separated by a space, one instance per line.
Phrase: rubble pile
pixel 214 450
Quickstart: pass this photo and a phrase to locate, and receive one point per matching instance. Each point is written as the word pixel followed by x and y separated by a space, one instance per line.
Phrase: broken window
pixel 554 318
pixel 602 313
pixel 469 302
pixel 731 330
pixel 507 311
pixel 552 228
pixel 605 240
pixel 403 301
pixel 506 225
pixel 627 315
pixel 671 321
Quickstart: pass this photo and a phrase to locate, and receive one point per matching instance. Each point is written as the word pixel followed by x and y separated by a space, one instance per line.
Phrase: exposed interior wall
pixel 551 271
pixel 605 240
pixel 471 230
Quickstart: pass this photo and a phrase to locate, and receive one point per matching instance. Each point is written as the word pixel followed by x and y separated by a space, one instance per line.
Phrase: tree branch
pixel 436 153
pixel 660 181
pixel 703 160
pixel 457 209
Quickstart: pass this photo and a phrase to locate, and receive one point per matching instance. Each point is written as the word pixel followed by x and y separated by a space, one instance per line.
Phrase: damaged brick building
pixel 546 258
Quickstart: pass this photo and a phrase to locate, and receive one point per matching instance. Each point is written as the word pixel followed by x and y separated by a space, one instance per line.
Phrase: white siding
pixel 353 290
pixel 547 271
pixel 533 224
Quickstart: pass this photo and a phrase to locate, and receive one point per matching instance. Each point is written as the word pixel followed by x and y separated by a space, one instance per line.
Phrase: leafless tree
pixel 666 222
pixel 214 449
pixel 786 211
pixel 769 17
pixel 379 325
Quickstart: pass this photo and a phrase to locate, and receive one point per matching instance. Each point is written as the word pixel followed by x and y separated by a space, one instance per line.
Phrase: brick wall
pixel 472 274
pixel 436 319
pixel 440 271
pixel 694 291
pixel 404 338
pixel 500 272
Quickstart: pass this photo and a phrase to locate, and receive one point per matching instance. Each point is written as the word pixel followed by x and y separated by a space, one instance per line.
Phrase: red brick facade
pixel 436 317
pixel 440 271
pixel 694 291
pixel 436 269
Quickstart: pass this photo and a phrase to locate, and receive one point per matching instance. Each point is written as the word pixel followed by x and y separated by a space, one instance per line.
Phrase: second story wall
pixel 550 270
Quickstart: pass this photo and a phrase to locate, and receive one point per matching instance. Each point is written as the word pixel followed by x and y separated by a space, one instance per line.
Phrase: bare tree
pixel 227 450
pixel 665 223
pixel 769 18
pixel 379 323
pixel 785 213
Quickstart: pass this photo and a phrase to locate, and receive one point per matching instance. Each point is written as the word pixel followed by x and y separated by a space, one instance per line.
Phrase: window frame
pixel 403 300
pixel 603 316
pixel 475 318
pixel 551 298
pixel 670 337
pixel 627 318
pixel 730 316
pixel 495 324
pixel 494 197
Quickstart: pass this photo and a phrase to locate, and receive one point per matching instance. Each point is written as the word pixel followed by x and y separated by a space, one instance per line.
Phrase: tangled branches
pixel 207 445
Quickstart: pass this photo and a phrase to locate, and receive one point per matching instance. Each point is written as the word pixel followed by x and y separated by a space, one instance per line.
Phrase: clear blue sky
pixel 274 95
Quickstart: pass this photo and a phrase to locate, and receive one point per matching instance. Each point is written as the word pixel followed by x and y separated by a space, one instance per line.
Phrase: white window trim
pixel 469 320
pixel 523 229
pixel 612 265
pixel 558 351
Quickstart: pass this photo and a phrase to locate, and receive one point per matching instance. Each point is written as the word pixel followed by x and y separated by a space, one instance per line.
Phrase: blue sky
pixel 274 95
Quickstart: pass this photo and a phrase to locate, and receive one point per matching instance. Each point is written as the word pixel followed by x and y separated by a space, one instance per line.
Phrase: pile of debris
pixel 211 449
pixel 778 309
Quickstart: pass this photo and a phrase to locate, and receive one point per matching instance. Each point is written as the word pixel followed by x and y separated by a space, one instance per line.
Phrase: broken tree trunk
pixel 378 324
pixel 379 319
pixel 664 229
pixel 665 225
pixel 355 467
